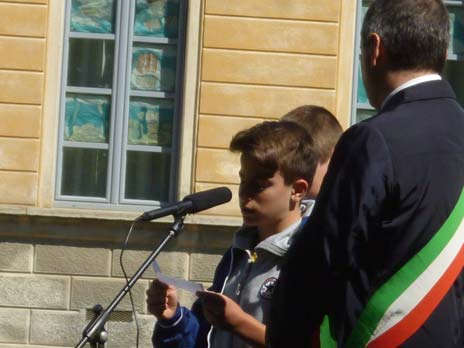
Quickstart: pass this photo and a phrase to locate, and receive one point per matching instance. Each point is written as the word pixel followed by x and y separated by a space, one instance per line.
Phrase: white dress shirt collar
pixel 410 83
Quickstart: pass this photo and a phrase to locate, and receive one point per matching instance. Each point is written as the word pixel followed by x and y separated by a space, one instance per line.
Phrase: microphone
pixel 191 204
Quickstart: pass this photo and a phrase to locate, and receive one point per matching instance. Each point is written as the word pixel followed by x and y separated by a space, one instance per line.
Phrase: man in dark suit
pixel 379 263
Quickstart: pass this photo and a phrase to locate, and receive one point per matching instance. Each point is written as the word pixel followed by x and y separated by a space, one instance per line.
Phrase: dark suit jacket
pixel 392 182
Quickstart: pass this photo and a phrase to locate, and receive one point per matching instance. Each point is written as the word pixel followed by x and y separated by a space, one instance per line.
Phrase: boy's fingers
pixel 203 295
pixel 157 310
pixel 210 298
pixel 206 293
pixel 159 301
pixel 158 288
pixel 156 283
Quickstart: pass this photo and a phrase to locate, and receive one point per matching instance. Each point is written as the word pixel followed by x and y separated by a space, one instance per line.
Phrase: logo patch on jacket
pixel 267 289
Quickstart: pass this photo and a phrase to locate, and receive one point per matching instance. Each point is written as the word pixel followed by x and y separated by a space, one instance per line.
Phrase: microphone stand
pixel 95 332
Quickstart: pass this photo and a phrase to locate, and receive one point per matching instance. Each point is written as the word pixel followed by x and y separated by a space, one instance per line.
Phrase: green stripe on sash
pixel 401 280
pixel 325 337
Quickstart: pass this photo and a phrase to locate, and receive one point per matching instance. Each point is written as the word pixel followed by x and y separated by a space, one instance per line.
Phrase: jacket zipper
pixel 251 261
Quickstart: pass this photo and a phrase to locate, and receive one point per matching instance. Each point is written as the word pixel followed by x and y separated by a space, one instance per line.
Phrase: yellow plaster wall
pixel 246 61
pixel 259 59
pixel 22 65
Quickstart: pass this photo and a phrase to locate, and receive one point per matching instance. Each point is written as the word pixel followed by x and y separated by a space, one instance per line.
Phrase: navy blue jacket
pixel 189 328
pixel 392 182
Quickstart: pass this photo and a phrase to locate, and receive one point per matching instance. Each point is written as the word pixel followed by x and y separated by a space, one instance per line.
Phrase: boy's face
pixel 265 200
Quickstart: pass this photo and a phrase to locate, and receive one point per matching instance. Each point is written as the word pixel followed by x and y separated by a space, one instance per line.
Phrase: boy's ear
pixel 300 188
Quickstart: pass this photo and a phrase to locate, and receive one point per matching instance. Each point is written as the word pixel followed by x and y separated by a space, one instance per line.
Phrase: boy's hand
pixel 220 310
pixel 162 300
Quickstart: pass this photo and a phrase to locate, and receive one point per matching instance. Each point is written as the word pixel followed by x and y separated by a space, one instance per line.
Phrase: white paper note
pixel 178 283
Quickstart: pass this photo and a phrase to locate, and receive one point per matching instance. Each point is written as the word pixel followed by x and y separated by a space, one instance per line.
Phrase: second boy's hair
pixel 321 125
pixel 282 146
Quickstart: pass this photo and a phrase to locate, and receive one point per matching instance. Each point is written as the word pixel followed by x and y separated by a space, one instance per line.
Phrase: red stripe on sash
pixel 414 319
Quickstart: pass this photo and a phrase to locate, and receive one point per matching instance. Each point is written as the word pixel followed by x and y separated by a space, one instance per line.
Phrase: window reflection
pixel 150 122
pixel 87 118
pixel 157 18
pixel 153 68
pixel 92 16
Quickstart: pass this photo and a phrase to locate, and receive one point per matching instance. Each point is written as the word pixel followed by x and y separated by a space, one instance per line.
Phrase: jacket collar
pixel 246 238
pixel 422 91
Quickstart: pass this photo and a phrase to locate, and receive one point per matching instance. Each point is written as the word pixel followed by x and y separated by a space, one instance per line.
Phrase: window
pixel 454 68
pixel 120 102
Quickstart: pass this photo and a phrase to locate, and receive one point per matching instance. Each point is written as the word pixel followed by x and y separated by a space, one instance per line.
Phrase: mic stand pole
pixel 94 332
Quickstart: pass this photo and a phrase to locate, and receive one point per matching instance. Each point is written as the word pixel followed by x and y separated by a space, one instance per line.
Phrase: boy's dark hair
pixel 279 145
pixel 321 125
pixel 415 32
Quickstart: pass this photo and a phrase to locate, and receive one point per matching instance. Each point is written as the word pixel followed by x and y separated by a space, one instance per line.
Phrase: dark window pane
pixel 92 16
pixel 153 68
pixel 87 118
pixel 156 18
pixel 454 73
pixel 84 172
pixel 147 176
pixel 362 95
pixel 456 14
pixel 366 4
pixel 90 63
pixel 150 122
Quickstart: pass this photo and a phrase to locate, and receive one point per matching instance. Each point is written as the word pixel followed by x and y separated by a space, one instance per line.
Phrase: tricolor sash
pixel 403 304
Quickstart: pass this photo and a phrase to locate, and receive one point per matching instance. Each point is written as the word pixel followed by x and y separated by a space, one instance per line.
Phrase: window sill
pixel 199 219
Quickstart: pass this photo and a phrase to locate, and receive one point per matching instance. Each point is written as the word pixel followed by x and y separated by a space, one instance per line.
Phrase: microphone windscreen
pixel 207 199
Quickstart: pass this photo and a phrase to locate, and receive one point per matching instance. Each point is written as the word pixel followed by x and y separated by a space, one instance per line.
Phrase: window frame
pixel 120 94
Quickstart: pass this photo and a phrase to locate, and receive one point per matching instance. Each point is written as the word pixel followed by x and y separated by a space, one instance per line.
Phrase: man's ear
pixel 375 49
pixel 300 188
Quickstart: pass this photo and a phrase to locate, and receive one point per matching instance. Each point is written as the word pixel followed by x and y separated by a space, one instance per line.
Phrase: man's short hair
pixel 415 33
pixel 321 125
pixel 279 146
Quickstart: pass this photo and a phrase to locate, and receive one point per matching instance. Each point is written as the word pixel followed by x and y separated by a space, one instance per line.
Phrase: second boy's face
pixel 265 199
